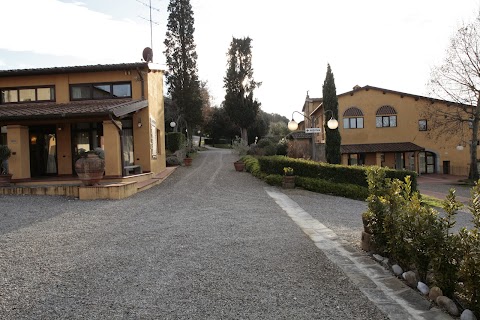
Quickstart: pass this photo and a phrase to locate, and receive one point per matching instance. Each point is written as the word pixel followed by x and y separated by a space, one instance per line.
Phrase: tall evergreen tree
pixel 182 76
pixel 239 103
pixel 330 103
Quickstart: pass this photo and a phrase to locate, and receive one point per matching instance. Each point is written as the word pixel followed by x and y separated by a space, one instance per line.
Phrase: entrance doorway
pixel 43 151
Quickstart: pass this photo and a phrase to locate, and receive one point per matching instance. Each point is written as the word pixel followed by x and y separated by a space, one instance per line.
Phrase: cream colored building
pixel 48 115
pixel 387 128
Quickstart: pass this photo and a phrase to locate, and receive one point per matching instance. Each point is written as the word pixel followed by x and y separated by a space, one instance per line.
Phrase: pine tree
pixel 180 51
pixel 239 103
pixel 330 103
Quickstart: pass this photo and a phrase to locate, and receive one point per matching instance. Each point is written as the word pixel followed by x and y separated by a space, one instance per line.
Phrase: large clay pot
pixel 90 169
pixel 239 166
pixel 187 162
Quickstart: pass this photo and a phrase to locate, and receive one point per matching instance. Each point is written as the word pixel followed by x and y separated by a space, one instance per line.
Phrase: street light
pixel 331 124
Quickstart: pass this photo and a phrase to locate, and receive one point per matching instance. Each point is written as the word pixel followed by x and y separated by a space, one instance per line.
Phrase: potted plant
pixel 90 166
pixel 5 177
pixel 241 148
pixel 187 161
pixel 288 178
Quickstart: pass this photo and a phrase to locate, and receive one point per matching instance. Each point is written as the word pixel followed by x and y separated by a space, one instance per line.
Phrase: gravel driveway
pixel 208 243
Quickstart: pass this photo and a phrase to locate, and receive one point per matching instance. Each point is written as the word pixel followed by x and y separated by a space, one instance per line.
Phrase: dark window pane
pixel 122 90
pixel 81 92
pixel 353 123
pixel 385 122
pixel 101 91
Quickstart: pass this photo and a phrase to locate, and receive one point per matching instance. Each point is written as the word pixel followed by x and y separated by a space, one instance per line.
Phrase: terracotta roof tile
pixel 70 69
pixel 66 110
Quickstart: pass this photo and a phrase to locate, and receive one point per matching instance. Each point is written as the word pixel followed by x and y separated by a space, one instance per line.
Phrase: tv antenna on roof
pixel 149 5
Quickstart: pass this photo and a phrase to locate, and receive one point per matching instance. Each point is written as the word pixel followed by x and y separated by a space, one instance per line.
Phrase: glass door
pixel 43 151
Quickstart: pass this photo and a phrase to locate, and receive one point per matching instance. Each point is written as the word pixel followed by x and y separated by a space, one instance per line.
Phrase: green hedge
pixel 174 141
pixel 355 175
pixel 346 190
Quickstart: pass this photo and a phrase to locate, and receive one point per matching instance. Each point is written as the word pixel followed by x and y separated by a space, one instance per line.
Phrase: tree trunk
pixel 473 175
pixel 244 135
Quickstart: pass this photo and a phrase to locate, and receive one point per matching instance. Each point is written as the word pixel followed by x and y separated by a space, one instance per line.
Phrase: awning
pixel 74 109
pixel 381 147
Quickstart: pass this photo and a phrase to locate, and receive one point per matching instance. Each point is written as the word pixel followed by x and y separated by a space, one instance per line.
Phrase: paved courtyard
pixel 208 243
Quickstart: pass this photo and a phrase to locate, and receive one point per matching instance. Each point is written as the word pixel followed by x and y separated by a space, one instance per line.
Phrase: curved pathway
pixel 208 243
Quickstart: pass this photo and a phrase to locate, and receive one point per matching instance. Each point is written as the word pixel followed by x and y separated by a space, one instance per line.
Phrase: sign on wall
pixel 153 138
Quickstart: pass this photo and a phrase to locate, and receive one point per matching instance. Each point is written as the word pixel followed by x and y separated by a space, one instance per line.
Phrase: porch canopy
pixel 380 147
pixel 16 113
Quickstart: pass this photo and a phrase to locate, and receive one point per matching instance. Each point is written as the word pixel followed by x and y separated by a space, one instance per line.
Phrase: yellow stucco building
pixel 48 115
pixel 388 128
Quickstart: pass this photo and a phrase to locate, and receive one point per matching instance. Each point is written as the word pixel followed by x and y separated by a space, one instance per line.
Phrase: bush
pixel 336 189
pixel 330 172
pixel 274 179
pixel 418 237
pixel 173 161
pixel 174 141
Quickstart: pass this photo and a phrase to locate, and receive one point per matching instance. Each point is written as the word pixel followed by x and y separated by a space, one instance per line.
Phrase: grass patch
pixel 432 201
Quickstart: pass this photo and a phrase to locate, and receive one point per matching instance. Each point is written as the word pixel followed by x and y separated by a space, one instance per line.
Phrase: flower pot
pixel 90 169
pixel 187 162
pixel 239 166
pixel 288 182
pixel 5 180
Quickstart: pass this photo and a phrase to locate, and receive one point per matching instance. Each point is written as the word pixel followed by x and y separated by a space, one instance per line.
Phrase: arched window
pixel 386 117
pixel 353 118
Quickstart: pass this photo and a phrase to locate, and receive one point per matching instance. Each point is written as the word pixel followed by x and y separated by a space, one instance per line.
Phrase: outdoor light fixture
pixel 331 124
pixel 139 124
pixel 172 124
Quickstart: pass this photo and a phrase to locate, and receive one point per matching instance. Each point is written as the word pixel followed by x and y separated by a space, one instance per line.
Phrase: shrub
pixel 174 141
pixel 274 179
pixel 173 161
pixel 252 166
pixel 282 148
pixel 330 172
pixel 337 189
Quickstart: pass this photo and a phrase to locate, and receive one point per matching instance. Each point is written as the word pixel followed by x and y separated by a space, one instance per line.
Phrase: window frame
pixel 385 119
pixel 422 125
pixel 91 87
pixel 356 122
pixel 36 99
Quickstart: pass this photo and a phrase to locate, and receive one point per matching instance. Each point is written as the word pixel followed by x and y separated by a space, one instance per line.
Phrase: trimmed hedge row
pixel 347 190
pixel 355 175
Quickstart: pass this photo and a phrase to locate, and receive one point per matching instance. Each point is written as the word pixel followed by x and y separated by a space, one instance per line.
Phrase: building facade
pixel 48 116
pixel 389 128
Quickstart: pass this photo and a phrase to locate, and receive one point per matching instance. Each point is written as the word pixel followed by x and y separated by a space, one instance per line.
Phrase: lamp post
pixel 332 124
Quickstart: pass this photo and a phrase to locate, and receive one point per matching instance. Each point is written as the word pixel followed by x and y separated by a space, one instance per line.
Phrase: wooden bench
pixel 129 170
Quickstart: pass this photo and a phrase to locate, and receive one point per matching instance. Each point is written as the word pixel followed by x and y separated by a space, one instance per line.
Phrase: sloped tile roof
pixel 380 147
pixel 71 69
pixel 73 109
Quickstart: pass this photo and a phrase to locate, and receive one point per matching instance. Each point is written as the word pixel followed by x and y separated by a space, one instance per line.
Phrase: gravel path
pixel 208 243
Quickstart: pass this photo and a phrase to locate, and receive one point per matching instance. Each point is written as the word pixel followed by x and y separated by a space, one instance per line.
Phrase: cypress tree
pixel 330 103
pixel 239 103
pixel 181 55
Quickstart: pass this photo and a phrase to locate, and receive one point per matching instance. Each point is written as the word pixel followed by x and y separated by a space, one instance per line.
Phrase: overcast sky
pixel 388 44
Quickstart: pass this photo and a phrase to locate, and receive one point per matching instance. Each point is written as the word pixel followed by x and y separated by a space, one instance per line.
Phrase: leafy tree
pixel 330 103
pixel 458 80
pixel 220 126
pixel 278 129
pixel 239 103
pixel 180 51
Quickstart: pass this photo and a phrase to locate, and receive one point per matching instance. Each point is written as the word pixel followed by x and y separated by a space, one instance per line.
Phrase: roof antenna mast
pixel 149 5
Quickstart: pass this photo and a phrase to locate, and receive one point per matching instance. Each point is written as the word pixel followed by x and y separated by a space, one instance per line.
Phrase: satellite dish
pixel 147 54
